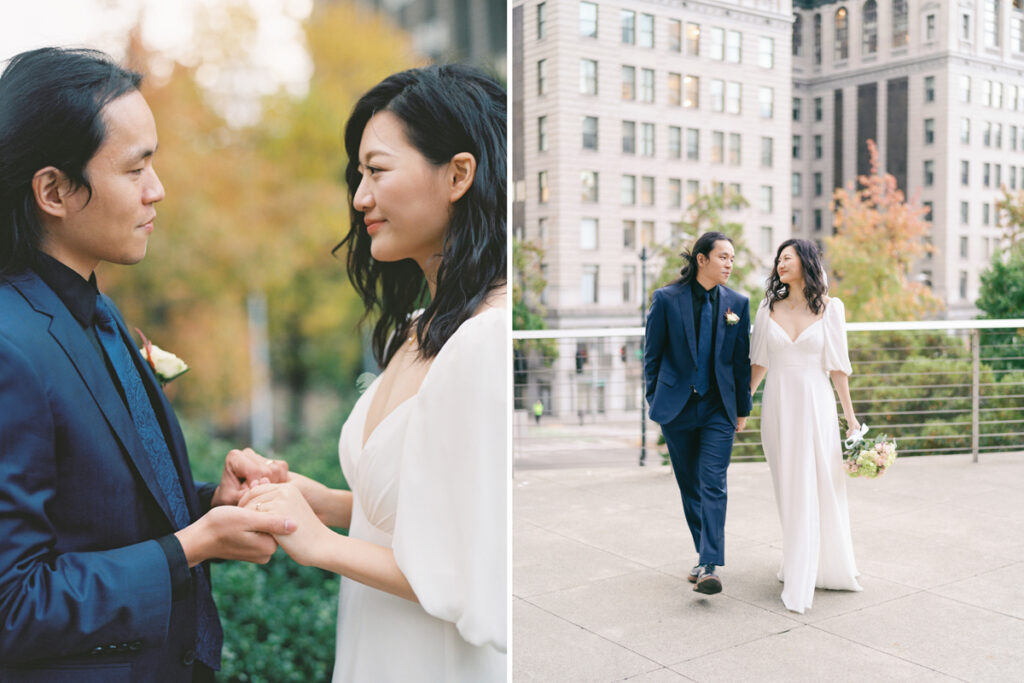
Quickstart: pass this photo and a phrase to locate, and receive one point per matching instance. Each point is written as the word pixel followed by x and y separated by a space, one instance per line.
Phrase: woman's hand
pixel 287 500
pixel 854 426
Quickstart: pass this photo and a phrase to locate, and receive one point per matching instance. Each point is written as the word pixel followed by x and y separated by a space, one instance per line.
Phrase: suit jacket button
pixel 188 657
pixel 98 650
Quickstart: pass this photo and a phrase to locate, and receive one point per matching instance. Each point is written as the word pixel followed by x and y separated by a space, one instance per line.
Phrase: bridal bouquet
pixel 868 457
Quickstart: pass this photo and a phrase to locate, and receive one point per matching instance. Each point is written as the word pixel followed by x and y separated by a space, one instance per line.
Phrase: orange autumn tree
pixel 879 236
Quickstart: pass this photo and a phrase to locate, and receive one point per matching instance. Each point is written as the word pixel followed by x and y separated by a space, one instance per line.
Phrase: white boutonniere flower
pixel 730 317
pixel 166 366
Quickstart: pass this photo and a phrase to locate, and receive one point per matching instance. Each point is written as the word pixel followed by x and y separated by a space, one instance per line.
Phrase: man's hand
pixel 242 467
pixel 233 533
pixel 741 424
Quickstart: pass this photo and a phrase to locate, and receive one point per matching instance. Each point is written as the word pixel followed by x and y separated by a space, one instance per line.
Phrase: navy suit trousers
pixel 699 443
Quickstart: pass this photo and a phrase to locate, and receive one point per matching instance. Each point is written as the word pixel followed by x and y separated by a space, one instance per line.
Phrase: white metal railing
pixel 937 386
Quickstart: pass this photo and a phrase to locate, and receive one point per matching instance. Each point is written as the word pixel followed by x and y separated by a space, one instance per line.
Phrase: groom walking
pixel 104 536
pixel 697 376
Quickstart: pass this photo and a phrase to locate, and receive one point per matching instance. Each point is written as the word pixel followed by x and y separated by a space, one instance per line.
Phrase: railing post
pixel 975 391
pixel 643 347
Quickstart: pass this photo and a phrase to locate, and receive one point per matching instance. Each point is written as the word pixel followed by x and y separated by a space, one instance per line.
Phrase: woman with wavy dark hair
pixel 423 566
pixel 799 341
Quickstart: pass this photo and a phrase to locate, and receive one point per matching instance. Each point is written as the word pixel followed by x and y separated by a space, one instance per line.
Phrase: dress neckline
pixel 793 340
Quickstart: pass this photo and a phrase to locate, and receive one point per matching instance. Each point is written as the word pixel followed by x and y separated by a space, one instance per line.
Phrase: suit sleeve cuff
pixel 181 577
pixel 205 491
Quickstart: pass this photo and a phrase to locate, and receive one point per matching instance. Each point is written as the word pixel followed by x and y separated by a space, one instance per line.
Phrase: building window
pixel 767 200
pixel 990 23
pixel 929 88
pixel 628 82
pixel 797 140
pixel 1013 177
pixel 645 36
pixel 999 175
pixel 965 27
pixel 817 220
pixel 734 47
pixel 717 44
pixel 818 185
pixel 964 173
pixel 629 137
pixel 929 131
pixel 734 149
pixel 929 28
pixel 588 76
pixel 965 89
pixel 717 95
pixel 929 173
pixel 732 97
pixel 588 183
pixel 675 193
pixel 735 191
pixel 647 85
pixel 818 109
pixel 796 220
pixel 963 247
pixel 628 283
pixel 997 94
pixel 691 92
pixel 717 146
pixel 675 89
pixel 986 93
pixel 766 102
pixel 986 175
pixel 767 153
pixel 647 191
pixel 542 134
pixel 766 53
pixel 628 193
pixel 590 132
pixel 965 131
pixel 797 185
pixel 629 234
pixel 963 284
pixel 588 234
pixel 542 187
pixel 542 228
pixel 842 35
pixel 766 239
pixel 628 26
pixel 798 36
pixel 900 34
pixel 985 216
pixel 692 144
pixel 588 288
pixel 817 39
pixel 675 142
pixel 869 44
pixel 819 147
pixel 588 19
pixel 1013 138
pixel 692 190
pixel 964 211
pixel 929 207
pixel 675 35
pixel 542 71
pixel 1017 34
pixel 647 139
pixel 542 19
pixel 797 103
pixel 693 39
pixel 999 136
pixel 647 228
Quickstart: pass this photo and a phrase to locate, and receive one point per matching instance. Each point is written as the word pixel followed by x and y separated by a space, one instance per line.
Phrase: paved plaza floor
pixel 600 557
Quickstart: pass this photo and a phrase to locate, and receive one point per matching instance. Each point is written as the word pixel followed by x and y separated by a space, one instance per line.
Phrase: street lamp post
pixel 643 323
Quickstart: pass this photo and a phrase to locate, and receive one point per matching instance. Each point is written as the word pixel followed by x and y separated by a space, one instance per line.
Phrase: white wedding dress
pixel 800 435
pixel 431 483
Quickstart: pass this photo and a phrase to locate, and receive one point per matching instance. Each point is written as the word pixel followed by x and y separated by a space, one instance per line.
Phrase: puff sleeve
pixel 450 524
pixel 759 341
pixel 836 352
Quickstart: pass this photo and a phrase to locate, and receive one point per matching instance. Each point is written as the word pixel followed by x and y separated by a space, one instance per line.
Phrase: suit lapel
pixel 723 306
pixel 90 366
pixel 685 301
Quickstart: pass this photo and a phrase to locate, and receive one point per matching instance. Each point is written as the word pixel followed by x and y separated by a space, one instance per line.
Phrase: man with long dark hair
pixel 697 376
pixel 104 536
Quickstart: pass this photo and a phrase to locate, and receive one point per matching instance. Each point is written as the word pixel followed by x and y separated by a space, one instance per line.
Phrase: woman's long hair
pixel 704 245
pixel 445 110
pixel 815 285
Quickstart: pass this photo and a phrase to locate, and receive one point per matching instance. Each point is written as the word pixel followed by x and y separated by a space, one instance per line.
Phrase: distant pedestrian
pixel 538 410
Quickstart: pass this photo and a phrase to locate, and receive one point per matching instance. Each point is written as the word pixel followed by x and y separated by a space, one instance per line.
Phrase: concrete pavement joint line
pixel 595 634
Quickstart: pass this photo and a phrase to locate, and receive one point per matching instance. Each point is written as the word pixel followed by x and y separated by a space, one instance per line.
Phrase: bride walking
pixel 799 341
pixel 423 588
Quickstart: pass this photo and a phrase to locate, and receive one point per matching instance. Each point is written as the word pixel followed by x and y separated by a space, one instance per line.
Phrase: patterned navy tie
pixel 704 347
pixel 210 636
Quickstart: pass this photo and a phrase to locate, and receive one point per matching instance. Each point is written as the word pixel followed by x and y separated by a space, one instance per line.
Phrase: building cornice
pixel 904 67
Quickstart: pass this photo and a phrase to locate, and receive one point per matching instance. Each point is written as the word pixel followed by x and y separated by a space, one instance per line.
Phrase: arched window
pixel 900 34
pixel 817 39
pixel 798 35
pixel 842 52
pixel 870 12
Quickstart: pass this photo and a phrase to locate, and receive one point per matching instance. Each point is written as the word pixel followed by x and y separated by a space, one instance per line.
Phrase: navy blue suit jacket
pixel 85 590
pixel 670 353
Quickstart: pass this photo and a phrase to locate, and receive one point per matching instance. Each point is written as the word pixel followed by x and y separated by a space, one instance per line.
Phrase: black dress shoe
pixel 707 581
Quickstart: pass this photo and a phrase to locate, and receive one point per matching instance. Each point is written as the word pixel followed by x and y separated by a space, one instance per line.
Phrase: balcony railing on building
pixel 939 387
